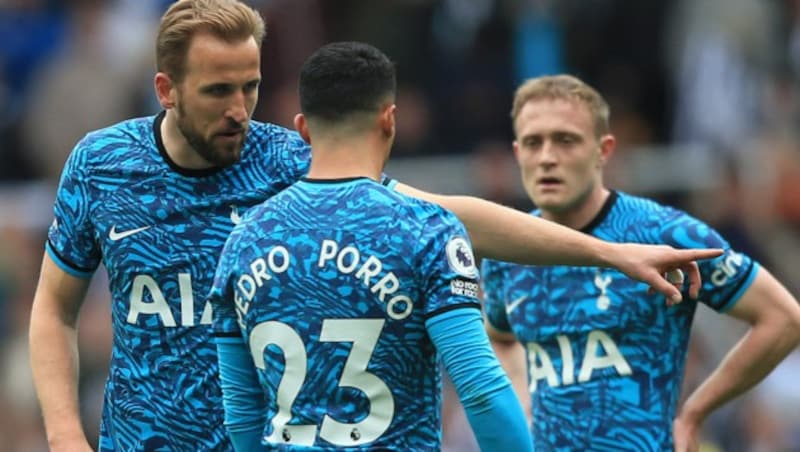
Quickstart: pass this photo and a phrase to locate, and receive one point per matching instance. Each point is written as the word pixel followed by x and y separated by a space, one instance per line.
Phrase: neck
pixel 334 157
pixel 582 213
pixel 178 149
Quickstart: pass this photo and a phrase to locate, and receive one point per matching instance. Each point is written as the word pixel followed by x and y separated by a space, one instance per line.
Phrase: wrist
pixel 58 439
pixel 606 254
pixel 691 414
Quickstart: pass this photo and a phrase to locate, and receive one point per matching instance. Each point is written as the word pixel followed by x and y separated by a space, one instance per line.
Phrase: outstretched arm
pixel 774 316
pixel 502 233
pixel 53 339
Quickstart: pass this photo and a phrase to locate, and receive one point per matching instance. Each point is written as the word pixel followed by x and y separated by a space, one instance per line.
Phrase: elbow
pixel 786 328
pixel 793 327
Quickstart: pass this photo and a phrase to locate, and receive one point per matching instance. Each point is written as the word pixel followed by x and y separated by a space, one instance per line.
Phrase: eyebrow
pixel 214 85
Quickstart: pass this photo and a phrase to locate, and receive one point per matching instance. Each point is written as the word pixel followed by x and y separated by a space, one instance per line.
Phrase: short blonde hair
pixel 230 20
pixel 565 87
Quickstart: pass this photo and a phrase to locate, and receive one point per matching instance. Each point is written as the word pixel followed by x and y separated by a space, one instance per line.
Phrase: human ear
pixel 164 90
pixel 608 144
pixel 301 125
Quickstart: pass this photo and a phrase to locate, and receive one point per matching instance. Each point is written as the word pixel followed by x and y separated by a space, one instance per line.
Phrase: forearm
pixel 522 238
pixel 492 408
pixel 498 423
pixel 511 355
pixel 54 363
pixel 242 395
pixel 53 339
pixel 753 357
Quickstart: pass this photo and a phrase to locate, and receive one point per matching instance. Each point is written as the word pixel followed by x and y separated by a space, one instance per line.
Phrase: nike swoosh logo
pixel 235 218
pixel 114 235
pixel 514 303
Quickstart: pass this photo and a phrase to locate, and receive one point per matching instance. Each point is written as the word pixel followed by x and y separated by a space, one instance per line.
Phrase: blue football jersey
pixel 158 230
pixel 605 358
pixel 330 284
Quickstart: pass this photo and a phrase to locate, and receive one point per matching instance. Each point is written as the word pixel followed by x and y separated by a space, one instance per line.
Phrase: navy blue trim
pixel 610 201
pixel 724 306
pixel 338 180
pixel 451 307
pixel 68 262
pixel 235 334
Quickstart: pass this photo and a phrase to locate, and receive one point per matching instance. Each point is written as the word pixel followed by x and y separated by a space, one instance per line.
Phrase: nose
pixel 547 155
pixel 237 110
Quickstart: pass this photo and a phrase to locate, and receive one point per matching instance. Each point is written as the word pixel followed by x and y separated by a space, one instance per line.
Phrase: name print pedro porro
pixel 348 260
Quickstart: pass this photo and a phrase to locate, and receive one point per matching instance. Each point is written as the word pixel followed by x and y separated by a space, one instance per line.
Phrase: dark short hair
pixel 343 78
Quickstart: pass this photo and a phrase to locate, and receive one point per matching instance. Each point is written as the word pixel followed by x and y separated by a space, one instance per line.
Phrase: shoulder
pixel 135 129
pixel 273 146
pixel 117 139
pixel 630 211
pixel 653 222
pixel 641 207
pixel 425 213
pixel 265 134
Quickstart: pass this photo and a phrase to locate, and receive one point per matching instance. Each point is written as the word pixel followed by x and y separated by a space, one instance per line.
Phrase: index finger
pixel 691 269
pixel 694 254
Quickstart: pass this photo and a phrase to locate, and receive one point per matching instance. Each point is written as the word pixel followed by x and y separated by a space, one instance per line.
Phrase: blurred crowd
pixel 705 101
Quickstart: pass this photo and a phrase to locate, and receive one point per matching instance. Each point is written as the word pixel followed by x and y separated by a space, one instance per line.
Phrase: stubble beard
pixel 219 156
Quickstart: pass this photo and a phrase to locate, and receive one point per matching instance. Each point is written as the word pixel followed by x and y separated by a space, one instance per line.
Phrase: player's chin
pixel 549 200
pixel 228 156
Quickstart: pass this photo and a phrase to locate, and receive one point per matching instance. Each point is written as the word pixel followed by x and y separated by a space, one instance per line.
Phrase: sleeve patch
pixel 460 258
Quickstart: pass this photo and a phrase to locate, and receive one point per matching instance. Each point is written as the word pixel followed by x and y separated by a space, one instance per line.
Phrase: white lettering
pixel 285 261
pixel 465 288
pixel 247 286
pixel 158 306
pixel 348 260
pixel 328 251
pixel 541 364
pixel 591 361
pixel 354 260
pixel 187 300
pixel 390 307
pixel 386 286
pixel 370 268
pixel 258 268
pixel 241 308
pixel 208 314
pixel 726 268
pixel 568 362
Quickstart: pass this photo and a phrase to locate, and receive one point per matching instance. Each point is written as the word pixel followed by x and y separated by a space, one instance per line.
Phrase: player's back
pixel 330 287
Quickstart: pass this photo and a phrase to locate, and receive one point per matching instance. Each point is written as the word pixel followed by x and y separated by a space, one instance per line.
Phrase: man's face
pixel 559 156
pixel 216 98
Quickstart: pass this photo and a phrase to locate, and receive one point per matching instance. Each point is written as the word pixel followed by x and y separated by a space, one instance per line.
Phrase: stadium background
pixel 704 97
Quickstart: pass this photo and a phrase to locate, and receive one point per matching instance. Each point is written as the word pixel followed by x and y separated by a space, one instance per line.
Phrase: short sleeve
pixel 725 278
pixel 448 270
pixel 71 239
